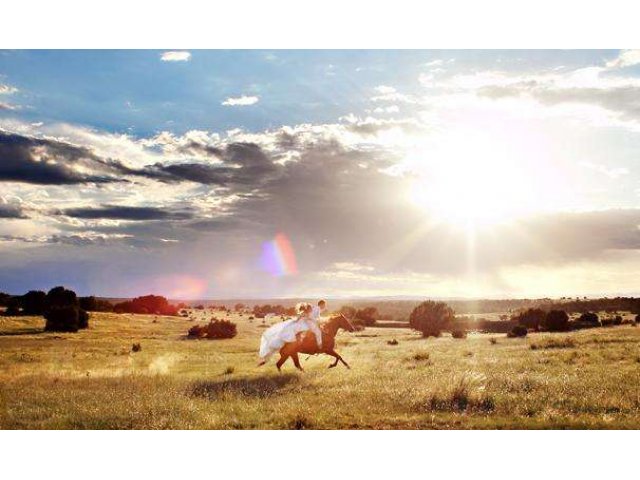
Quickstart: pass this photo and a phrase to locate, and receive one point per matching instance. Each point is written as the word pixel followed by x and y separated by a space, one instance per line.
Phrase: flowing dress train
pixel 275 337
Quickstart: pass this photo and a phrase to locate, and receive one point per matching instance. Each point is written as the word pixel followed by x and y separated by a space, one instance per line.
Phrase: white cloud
pixel 175 56
pixel 241 101
pixel 613 172
pixel 7 106
pixel 384 89
pixel 7 89
pixel 626 58
pixel 389 109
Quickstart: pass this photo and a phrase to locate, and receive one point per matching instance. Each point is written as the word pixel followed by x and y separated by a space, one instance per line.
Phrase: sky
pixel 262 174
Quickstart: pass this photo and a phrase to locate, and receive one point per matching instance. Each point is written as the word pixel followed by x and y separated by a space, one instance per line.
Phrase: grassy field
pixel 92 379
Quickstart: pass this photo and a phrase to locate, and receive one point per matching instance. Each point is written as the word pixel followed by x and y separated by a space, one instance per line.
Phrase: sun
pixel 472 183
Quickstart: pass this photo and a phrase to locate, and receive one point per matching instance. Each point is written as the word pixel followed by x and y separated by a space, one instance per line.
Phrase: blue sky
pixel 133 91
pixel 442 173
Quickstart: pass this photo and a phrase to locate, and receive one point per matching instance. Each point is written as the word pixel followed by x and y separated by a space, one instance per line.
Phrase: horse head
pixel 344 323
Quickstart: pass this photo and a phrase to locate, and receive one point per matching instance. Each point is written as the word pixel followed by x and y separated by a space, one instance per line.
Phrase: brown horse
pixel 307 343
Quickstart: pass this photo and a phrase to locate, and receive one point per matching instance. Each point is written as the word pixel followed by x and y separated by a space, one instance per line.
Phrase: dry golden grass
pixel 92 379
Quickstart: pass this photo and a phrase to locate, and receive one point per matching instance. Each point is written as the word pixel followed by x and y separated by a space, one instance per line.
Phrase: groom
pixel 314 318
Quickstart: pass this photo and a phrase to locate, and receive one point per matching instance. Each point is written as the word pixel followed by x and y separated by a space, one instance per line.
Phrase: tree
pixel 34 302
pixel 89 303
pixel 557 321
pixel 517 331
pixel 589 317
pixel 93 304
pixel 13 307
pixel 348 311
pixel 367 316
pixel 4 299
pixel 239 307
pixel 431 318
pixel 63 312
pixel 148 304
pixel 531 318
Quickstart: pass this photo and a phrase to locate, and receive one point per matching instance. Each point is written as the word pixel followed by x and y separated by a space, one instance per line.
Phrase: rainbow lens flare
pixel 278 257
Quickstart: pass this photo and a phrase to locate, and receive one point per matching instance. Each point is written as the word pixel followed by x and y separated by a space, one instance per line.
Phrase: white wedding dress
pixel 275 337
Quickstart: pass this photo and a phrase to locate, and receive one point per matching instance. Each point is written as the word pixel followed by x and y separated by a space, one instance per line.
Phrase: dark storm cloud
pixel 46 161
pixel 12 211
pixel 239 164
pixel 193 172
pixel 51 162
pixel 78 240
pixel 126 213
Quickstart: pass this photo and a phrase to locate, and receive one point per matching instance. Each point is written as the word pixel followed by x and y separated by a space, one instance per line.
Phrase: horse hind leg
pixel 283 358
pixel 296 361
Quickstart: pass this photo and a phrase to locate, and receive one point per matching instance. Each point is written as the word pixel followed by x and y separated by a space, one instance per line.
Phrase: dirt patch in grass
pixel 554 343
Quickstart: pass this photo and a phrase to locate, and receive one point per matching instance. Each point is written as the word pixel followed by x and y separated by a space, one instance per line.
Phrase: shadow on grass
pixel 22 331
pixel 260 387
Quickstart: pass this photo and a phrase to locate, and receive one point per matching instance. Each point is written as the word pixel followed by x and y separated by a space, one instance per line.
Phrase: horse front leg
pixel 338 358
pixel 334 355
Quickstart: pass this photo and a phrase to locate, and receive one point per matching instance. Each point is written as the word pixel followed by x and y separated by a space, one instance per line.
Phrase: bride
pixel 275 337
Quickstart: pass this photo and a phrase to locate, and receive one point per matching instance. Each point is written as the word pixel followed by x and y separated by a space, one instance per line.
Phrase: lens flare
pixel 278 257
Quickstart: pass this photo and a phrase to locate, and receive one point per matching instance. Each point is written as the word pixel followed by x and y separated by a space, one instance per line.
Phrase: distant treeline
pixel 34 302
pixel 386 309
pixel 400 310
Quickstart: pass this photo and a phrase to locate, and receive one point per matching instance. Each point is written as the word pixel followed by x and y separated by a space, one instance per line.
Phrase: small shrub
pixel 215 329
pixel 461 397
pixel 196 331
pixel 518 331
pixel 493 340
pixel 229 370
pixel 62 319
pixel 459 334
pixel 300 422
pixel 421 356
pixel 136 347
pixel 392 342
